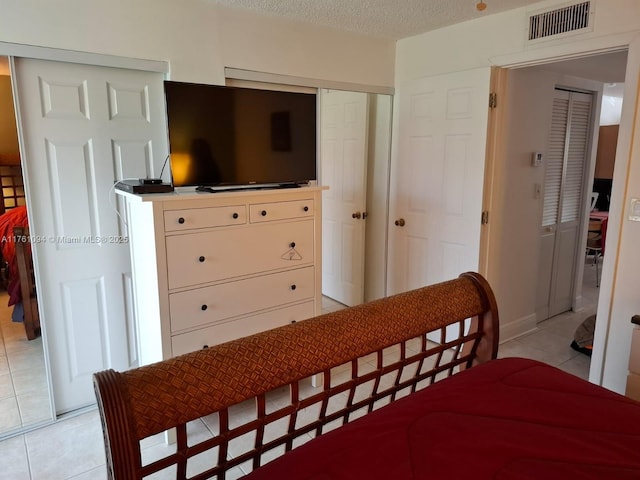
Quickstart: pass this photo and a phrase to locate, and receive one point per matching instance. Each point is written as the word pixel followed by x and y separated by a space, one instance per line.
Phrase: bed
pixel 407 387
pixel 15 217
pixel 17 261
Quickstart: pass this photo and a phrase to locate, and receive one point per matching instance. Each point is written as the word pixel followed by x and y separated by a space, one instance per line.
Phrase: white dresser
pixel 211 267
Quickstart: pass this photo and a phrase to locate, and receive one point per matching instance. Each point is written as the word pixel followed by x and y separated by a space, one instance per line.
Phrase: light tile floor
pixel 73 448
pixel 24 397
pixel 550 343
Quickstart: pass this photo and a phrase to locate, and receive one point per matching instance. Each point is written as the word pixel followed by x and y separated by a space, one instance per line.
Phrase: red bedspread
pixel 15 217
pixel 509 419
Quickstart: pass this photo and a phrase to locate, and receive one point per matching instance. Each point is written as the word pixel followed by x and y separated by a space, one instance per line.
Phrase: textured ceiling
pixel 393 19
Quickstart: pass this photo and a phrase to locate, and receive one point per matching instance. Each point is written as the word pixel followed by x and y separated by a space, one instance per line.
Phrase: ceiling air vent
pixel 559 21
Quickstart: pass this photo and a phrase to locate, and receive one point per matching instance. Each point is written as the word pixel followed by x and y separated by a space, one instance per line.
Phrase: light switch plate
pixel 536 159
pixel 634 210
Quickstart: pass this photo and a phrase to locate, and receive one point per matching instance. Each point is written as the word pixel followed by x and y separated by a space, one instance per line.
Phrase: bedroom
pixel 331 53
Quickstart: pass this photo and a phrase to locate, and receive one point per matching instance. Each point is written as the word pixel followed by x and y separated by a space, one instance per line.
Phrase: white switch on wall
pixel 634 210
pixel 536 159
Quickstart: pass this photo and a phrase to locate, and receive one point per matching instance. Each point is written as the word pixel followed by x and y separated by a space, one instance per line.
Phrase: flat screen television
pixel 603 187
pixel 223 136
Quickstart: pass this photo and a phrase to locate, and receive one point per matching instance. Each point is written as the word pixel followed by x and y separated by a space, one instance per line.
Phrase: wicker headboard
pixel 461 315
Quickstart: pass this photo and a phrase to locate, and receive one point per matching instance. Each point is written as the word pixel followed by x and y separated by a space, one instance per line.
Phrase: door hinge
pixel 493 100
pixel 485 217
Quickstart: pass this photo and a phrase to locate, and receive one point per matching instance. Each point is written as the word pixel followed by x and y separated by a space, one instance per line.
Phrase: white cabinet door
pixel 83 127
pixel 343 169
pixel 437 178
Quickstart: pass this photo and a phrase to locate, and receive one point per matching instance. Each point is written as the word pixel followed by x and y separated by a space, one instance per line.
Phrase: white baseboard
pixel 578 304
pixel 517 328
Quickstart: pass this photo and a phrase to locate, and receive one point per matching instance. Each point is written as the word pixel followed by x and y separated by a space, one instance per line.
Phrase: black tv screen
pixel 221 136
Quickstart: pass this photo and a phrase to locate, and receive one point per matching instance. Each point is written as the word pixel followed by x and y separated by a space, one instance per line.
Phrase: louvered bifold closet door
pixel 564 196
pixel 555 160
pixel 566 157
pixel 577 150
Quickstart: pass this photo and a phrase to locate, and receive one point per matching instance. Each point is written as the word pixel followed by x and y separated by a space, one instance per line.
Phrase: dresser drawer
pixel 268 212
pixel 197 258
pixel 224 332
pixel 176 220
pixel 202 306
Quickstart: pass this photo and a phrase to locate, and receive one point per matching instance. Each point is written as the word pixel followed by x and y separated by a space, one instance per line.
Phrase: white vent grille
pixel 562 20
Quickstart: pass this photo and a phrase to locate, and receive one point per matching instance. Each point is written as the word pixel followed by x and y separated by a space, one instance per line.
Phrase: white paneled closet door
pixel 566 163
pixel 343 166
pixel 83 127
pixel 437 179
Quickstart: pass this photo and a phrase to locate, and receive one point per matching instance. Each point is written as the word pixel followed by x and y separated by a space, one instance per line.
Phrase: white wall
pixel 619 297
pixel 500 40
pixel 198 39
pixel 8 131
pixel 611 104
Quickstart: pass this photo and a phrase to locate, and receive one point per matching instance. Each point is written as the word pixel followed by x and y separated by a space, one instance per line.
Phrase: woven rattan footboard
pixel 255 395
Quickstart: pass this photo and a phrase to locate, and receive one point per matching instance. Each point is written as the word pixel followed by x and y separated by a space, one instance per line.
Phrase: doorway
pixel 355 142
pixel 521 197
pixel 598 73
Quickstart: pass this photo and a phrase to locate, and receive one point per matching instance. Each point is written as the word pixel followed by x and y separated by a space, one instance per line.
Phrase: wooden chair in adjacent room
pixel 595 243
